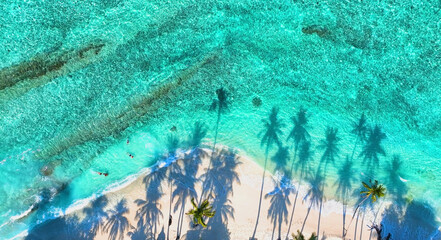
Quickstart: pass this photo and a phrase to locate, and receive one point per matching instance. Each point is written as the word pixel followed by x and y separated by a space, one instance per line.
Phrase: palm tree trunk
pixel 293 208
pixel 261 190
pixel 356 209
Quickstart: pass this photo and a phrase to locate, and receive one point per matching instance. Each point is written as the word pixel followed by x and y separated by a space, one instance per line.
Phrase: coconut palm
pixel 118 223
pixel 373 192
pixel 271 132
pixel 300 236
pixel 199 212
pixel 359 129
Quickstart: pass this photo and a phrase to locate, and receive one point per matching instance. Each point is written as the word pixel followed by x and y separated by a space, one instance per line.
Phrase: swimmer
pixel 130 155
pixel 100 173
pixel 128 141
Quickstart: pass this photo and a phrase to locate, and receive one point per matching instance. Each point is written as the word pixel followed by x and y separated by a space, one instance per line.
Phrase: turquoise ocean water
pixel 79 78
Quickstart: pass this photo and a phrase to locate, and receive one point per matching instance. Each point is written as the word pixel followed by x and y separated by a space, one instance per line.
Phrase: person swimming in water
pixel 128 141
pixel 105 174
pixel 130 155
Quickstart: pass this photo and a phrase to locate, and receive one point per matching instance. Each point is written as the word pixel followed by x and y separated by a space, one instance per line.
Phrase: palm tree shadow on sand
pixel 279 203
pixel 118 224
pixel 220 178
pixel 271 132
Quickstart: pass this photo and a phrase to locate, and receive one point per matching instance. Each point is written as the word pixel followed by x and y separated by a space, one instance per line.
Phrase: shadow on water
pixel 271 132
pixel 372 148
pixel 72 227
pixel 330 145
pixel 300 136
pixel 395 185
pixel 281 159
pixel 279 202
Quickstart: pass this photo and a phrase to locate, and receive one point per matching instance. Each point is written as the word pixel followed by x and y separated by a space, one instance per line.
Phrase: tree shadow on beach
pixel 220 178
pixel 315 196
pixel 271 132
pixel 279 202
pixel 302 166
pixel 344 185
pixel 117 224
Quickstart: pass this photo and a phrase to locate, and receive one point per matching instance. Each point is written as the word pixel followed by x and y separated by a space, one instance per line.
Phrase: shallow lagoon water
pixel 161 63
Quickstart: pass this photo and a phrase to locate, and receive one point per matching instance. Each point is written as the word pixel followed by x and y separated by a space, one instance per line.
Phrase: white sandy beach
pixel 244 201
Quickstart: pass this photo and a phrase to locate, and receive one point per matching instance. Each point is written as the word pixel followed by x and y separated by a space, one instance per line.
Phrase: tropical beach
pixel 129 119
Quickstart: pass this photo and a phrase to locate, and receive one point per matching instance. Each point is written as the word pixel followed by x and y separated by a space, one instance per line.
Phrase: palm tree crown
pixel 300 236
pixel 204 210
pixel 373 191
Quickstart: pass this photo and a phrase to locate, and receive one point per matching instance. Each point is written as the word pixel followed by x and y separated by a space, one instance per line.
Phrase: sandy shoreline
pixel 236 209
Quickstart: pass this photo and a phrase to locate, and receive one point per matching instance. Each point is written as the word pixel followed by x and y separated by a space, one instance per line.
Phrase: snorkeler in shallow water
pixel 128 141
pixel 130 155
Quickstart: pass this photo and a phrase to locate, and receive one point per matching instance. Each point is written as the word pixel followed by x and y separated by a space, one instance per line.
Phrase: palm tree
pixel 330 144
pixel 298 133
pixel 373 191
pixel 300 236
pixel 359 129
pixel 270 137
pixel 118 223
pixel 199 212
